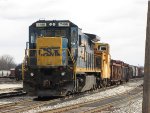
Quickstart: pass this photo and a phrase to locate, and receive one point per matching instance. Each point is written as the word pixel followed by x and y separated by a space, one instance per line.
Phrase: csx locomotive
pixel 60 59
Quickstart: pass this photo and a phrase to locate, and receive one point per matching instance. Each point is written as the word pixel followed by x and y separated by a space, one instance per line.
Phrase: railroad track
pixel 136 79
pixel 9 80
pixel 113 103
pixel 29 104
pixel 24 105
pixel 99 104
pixel 12 94
pixel 4 77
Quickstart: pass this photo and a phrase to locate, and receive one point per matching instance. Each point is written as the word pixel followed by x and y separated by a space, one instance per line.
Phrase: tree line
pixel 7 62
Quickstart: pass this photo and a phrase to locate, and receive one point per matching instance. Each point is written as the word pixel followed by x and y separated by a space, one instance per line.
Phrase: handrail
pixel 72 58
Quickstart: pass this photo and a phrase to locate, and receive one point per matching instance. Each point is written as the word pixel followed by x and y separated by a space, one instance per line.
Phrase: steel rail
pixel 14 104
pixel 12 94
pixel 23 106
pixel 9 105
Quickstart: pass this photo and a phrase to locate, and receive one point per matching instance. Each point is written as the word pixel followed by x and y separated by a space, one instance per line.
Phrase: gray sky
pixel 121 23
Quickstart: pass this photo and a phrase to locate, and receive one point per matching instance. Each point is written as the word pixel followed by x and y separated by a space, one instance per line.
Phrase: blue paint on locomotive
pixel 85 53
pixel 64 50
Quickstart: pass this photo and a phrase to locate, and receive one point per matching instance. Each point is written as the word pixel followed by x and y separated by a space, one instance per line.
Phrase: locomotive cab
pixel 102 49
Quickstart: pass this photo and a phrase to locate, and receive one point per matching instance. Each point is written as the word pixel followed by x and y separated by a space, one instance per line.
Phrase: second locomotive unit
pixel 60 60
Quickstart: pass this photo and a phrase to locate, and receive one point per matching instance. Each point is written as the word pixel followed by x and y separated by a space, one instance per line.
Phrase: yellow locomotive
pixel 60 60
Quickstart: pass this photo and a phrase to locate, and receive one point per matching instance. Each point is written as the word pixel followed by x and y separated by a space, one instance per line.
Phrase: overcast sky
pixel 121 23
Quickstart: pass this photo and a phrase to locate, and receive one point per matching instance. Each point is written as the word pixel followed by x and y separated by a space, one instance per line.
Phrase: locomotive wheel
pixel 121 82
pixel 101 85
pixel 105 83
pixel 40 97
pixel 68 93
pixel 109 84
pixel 94 87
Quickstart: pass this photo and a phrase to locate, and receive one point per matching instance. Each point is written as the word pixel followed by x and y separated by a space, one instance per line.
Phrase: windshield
pixel 53 33
pixel 48 33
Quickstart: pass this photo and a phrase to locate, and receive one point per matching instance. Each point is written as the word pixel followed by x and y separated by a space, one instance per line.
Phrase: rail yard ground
pixel 132 106
pixel 80 103
pixel 7 84
pixel 88 97
pixel 7 80
pixel 10 87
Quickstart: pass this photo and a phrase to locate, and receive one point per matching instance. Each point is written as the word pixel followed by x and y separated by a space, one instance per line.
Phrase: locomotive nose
pixel 53 51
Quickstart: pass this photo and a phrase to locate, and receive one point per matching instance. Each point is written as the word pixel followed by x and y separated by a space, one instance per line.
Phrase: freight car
pixel 140 71
pixel 136 71
pixel 119 72
pixel 16 73
pixel 60 59
pixel 4 73
pixel 12 73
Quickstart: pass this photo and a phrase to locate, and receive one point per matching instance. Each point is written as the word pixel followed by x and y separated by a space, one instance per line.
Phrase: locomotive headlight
pixel 32 74
pixel 63 73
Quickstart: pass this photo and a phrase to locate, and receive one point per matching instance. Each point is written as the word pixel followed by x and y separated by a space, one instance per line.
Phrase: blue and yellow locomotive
pixel 60 59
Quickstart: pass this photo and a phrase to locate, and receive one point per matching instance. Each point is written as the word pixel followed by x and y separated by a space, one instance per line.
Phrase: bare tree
pixel 7 62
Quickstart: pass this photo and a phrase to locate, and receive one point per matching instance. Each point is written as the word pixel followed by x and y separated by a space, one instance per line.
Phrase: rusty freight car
pixel 119 72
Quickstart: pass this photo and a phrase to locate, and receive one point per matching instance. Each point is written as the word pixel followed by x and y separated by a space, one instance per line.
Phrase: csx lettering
pixel 50 51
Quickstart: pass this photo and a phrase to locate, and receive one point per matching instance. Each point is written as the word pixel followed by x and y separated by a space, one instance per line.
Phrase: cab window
pixel 103 48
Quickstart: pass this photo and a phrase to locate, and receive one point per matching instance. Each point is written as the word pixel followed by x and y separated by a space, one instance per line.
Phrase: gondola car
pixel 119 72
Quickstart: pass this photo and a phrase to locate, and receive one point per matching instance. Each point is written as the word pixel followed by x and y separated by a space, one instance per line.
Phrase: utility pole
pixel 146 89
